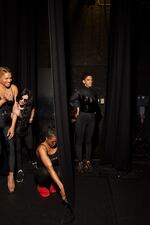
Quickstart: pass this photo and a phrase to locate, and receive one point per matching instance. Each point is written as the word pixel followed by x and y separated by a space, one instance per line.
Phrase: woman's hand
pixel 78 112
pixel 63 195
pixel 30 120
pixel 10 133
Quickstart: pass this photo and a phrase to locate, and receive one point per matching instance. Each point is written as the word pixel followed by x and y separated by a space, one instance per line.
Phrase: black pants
pixel 84 130
pixel 27 141
pixel 43 178
pixel 8 149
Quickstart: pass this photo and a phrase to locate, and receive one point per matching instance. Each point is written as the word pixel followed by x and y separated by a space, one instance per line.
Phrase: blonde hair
pixel 4 70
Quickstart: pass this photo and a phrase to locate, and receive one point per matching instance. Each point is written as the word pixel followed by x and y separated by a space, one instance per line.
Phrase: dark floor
pixel 101 198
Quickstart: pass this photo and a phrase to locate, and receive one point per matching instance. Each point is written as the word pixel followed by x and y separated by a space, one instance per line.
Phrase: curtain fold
pixel 18 35
pixel 55 12
pixel 116 135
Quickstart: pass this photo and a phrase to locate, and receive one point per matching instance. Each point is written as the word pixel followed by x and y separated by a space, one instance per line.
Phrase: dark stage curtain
pixel 60 93
pixel 18 41
pixel 18 44
pixel 116 137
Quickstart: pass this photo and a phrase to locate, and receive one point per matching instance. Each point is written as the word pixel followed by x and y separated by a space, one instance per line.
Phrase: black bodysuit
pixel 42 176
pixel 5 122
pixel 5 114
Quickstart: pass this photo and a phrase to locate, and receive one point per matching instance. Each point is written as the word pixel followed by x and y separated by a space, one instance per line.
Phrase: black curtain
pixel 18 44
pixel 18 30
pixel 117 131
pixel 18 50
pixel 58 70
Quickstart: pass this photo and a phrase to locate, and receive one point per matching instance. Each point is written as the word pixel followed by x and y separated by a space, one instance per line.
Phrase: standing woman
pixel 86 102
pixel 8 94
pixel 25 112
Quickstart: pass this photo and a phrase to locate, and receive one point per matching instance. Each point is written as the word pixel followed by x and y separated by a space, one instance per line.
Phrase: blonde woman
pixel 8 94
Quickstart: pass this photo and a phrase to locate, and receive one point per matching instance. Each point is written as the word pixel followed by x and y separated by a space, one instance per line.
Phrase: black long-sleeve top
pixel 86 99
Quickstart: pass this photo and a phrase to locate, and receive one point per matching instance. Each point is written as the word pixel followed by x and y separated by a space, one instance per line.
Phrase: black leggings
pixel 28 141
pixel 43 178
pixel 84 130
pixel 9 150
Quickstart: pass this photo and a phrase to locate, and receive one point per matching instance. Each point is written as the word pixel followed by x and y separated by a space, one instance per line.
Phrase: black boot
pixel 80 167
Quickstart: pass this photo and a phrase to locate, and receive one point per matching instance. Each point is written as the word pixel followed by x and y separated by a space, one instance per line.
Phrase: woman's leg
pixel 79 135
pixel 42 177
pixel 43 181
pixel 88 141
pixel 11 160
pixel 18 153
pixel 29 144
pixel 19 163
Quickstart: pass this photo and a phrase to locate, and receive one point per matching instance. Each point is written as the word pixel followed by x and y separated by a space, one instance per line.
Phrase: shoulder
pixel 41 151
pixel 14 90
pixel 42 148
pixel 75 95
pixel 79 91
pixel 14 87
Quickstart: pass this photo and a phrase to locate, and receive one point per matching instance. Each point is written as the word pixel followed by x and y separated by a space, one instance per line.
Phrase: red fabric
pixel 52 189
pixel 43 191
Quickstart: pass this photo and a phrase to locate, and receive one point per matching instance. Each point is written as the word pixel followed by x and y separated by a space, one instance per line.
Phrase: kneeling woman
pixel 47 175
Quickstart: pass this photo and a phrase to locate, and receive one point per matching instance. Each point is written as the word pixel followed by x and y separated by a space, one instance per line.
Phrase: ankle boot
pixel 80 167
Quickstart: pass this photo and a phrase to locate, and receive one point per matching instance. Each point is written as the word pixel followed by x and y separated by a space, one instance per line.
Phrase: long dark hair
pixel 25 114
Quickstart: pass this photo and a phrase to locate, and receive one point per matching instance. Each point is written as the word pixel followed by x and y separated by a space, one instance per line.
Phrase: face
pixel 23 100
pixel 52 141
pixel 6 80
pixel 88 81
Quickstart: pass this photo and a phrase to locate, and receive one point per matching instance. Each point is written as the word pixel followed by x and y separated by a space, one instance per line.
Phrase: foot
pixel 80 167
pixel 11 183
pixel 20 176
pixel 88 166
pixel 43 191
pixel 52 189
pixel 34 165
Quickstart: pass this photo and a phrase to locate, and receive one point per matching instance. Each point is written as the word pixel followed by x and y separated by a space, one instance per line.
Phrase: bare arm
pixel 32 115
pixel 15 91
pixel 48 164
pixel 11 130
pixel 77 113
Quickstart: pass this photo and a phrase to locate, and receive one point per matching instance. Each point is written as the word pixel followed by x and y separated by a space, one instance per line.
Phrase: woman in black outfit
pixel 85 100
pixel 8 94
pixel 47 175
pixel 25 111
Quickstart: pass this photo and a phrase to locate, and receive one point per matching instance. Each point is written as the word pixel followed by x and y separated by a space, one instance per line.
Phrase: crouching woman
pixel 47 175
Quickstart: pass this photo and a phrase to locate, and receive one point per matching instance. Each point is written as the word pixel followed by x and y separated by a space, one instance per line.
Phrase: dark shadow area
pixel 101 197
pixel 104 195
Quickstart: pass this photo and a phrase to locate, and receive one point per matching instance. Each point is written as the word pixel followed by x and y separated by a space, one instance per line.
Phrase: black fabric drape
pixel 116 137
pixel 60 93
pixel 18 41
